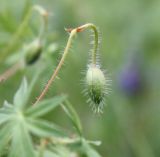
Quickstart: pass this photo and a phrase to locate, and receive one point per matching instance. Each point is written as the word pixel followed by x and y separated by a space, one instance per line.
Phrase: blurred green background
pixel 129 52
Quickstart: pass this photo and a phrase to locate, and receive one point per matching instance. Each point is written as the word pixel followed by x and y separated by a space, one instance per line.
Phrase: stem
pixel 95 30
pixel 10 72
pixel 44 20
pixel 43 28
pixel 73 32
pixel 95 49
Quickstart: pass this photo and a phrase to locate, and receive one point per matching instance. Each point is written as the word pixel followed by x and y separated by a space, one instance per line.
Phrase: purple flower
pixel 131 80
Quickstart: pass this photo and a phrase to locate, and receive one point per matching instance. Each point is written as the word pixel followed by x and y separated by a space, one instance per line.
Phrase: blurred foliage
pixel 130 32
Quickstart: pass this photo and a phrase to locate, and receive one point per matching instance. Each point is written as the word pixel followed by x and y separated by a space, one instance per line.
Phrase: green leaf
pixel 48 153
pixel 7 104
pixel 4 118
pixel 60 151
pixel 5 112
pixel 5 135
pixel 96 143
pixel 89 151
pixel 45 106
pixel 29 91
pixel 23 94
pixel 20 95
pixel 7 108
pixel 7 22
pixel 73 116
pixel 44 128
pixel 21 142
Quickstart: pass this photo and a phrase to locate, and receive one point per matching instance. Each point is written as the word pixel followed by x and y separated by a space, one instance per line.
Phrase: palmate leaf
pixel 73 116
pixel 25 121
pixel 21 145
pixel 44 128
pixel 7 111
pixel 45 106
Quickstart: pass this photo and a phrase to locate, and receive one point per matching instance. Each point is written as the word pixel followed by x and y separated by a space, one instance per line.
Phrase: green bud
pixel 96 82
pixel 33 52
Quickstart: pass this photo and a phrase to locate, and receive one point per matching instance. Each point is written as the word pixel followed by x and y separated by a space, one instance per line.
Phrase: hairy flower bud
pixel 96 85
pixel 33 52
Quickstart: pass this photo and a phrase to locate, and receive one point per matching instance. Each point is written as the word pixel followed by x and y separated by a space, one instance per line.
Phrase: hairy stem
pixel 96 38
pixel 95 48
pixel 73 32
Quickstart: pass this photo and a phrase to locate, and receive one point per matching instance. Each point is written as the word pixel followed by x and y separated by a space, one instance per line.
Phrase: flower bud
pixel 33 52
pixel 96 83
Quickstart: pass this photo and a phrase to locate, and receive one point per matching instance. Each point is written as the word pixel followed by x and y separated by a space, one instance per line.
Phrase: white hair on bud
pixel 95 102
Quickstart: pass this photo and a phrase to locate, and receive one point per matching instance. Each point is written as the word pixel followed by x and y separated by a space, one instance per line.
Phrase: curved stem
pixel 43 28
pixel 73 32
pixel 44 20
pixel 95 48
pixel 96 38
